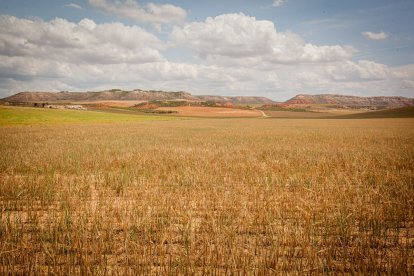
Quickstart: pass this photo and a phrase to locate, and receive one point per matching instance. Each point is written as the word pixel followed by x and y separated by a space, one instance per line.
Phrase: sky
pixel 270 48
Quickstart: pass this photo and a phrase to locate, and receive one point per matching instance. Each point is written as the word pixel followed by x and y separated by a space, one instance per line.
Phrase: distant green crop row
pixel 25 116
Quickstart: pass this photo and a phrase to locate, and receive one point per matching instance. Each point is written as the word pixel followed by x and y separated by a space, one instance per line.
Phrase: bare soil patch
pixel 212 111
pixel 310 114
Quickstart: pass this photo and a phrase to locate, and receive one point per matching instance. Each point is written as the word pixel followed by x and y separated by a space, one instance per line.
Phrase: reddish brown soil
pixel 212 111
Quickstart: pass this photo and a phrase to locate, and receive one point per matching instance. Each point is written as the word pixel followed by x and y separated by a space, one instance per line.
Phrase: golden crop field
pixel 255 196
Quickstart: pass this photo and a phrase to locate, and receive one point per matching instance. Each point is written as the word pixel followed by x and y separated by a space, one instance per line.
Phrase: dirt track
pixel 264 114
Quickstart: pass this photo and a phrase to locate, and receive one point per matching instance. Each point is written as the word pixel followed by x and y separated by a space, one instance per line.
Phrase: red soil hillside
pixel 343 101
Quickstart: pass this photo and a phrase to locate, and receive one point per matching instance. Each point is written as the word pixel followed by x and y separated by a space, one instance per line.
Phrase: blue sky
pixel 268 48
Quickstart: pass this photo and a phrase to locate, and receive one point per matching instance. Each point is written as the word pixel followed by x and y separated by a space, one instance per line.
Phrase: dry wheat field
pixel 252 196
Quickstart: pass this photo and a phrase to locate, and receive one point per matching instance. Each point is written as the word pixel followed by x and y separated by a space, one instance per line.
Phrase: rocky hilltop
pixel 119 95
pixel 301 100
pixel 342 101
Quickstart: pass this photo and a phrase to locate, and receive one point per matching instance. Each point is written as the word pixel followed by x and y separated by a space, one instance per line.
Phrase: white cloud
pixel 282 82
pixel 278 3
pixel 406 75
pixel 239 56
pixel 375 36
pixel 73 5
pixel 230 37
pixel 363 70
pixel 85 42
pixel 36 52
pixel 151 12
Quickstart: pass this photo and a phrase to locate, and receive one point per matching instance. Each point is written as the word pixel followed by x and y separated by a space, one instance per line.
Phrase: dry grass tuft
pixel 238 196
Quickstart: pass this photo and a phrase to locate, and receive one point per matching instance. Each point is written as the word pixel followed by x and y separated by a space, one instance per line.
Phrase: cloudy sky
pixel 272 48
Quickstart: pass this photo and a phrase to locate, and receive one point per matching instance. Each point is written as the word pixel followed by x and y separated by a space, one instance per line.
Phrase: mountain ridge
pixel 134 95
pixel 350 101
pixel 300 100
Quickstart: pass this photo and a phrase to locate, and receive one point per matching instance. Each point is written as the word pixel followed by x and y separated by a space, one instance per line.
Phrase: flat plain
pixel 12 115
pixel 257 196
pixel 201 111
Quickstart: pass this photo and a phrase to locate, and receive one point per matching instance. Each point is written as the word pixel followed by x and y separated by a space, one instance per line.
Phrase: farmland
pixel 10 115
pixel 199 111
pixel 142 194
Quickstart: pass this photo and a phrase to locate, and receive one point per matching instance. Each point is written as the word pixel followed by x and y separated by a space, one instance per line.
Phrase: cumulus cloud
pixel 239 55
pixel 73 5
pixel 151 12
pixel 83 42
pixel 375 36
pixel 363 70
pixel 233 36
pixel 34 50
pixel 278 3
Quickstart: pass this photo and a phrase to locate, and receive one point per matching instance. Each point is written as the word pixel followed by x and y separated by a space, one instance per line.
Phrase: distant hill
pixel 238 100
pixel 402 112
pixel 119 95
pixel 342 101
pixel 301 101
